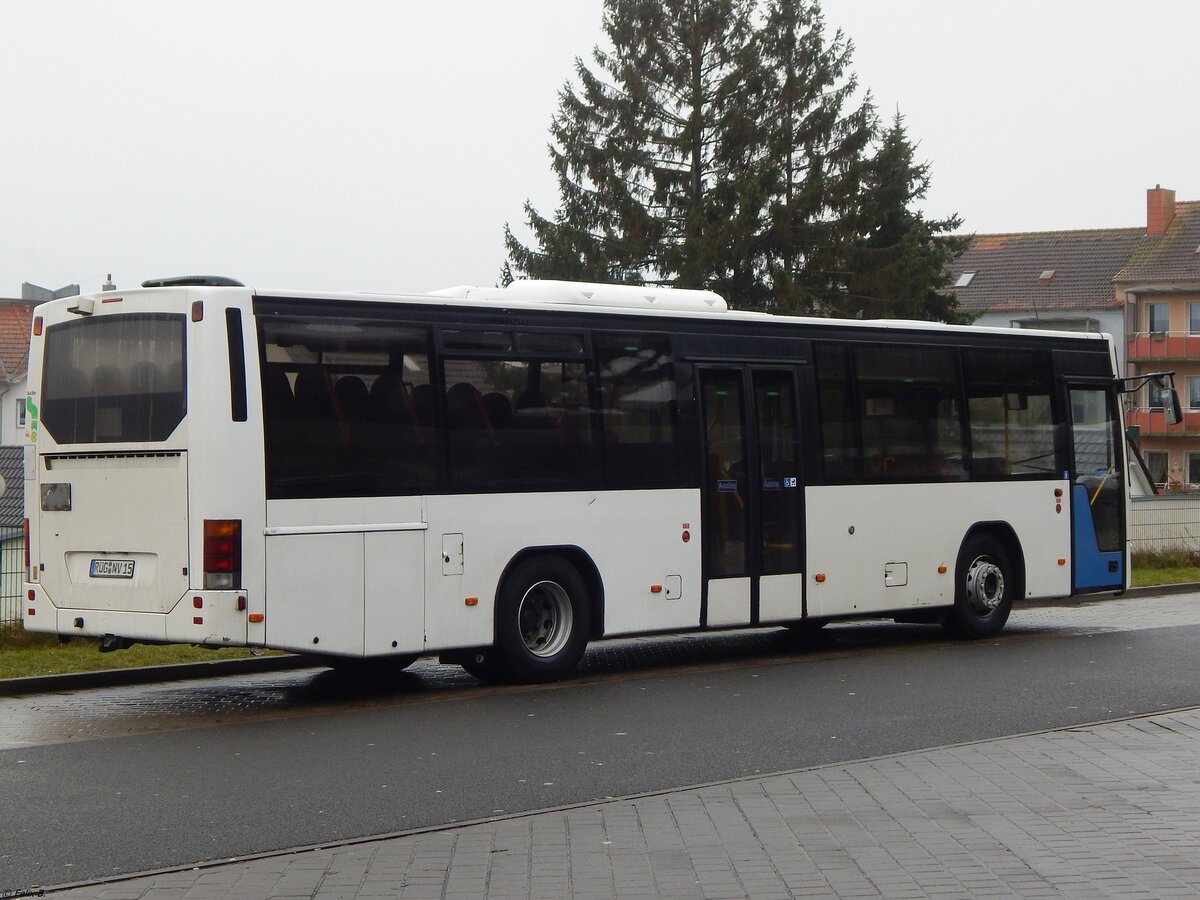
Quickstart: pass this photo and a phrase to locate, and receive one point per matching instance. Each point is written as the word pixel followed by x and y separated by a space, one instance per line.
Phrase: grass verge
pixel 1165 567
pixel 24 655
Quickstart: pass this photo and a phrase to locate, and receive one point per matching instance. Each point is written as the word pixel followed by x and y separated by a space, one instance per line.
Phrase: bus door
pixel 1097 490
pixel 752 496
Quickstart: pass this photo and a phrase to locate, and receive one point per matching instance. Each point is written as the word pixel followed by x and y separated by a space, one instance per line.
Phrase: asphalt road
pixel 83 809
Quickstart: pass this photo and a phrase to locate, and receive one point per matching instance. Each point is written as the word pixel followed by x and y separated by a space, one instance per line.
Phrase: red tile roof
pixel 1175 256
pixel 15 319
pixel 1008 268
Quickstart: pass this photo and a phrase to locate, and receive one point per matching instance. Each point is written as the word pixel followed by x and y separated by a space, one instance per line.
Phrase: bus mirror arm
pixel 1165 383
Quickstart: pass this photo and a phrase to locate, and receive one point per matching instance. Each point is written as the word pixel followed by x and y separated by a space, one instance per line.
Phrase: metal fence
pixel 1166 522
pixel 12 576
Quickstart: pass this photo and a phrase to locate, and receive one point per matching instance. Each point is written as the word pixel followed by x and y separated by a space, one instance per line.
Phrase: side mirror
pixel 1172 411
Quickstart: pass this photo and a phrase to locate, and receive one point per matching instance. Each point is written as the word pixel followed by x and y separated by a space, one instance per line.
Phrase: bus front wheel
pixel 542 620
pixel 986 582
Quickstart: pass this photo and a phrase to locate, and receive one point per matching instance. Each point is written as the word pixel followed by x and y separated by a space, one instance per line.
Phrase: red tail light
pixel 222 554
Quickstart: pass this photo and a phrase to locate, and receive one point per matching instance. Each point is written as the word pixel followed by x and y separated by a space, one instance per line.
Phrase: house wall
pixel 11 433
pixel 1164 335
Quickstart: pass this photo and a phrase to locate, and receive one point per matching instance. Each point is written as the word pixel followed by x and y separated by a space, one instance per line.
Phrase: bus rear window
pixel 114 379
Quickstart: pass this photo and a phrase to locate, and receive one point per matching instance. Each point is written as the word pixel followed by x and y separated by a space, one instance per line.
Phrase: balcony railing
pixel 1151 420
pixel 1146 345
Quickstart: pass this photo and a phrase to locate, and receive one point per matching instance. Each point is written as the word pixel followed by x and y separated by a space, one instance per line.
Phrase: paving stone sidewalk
pixel 1092 811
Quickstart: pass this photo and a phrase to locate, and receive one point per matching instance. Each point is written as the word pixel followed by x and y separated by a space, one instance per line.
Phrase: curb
pixel 77 681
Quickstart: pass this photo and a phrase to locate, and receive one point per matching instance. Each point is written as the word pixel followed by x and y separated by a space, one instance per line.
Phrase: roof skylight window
pixel 1046 275
pixel 964 279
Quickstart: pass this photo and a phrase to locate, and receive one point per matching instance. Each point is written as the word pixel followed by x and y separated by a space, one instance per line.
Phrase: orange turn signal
pixel 255 617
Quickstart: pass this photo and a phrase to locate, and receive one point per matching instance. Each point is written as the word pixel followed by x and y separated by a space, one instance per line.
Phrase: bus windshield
pixel 114 379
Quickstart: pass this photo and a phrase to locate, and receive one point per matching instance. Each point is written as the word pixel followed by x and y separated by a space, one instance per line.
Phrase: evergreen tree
pixel 815 141
pixel 639 149
pixel 900 259
pixel 719 144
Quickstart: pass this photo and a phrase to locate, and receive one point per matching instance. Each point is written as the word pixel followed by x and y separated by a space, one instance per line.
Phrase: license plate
pixel 111 568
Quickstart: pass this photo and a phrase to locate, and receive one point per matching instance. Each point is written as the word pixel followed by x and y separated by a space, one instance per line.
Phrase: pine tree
pixel 639 149
pixel 900 259
pixel 815 140
pixel 722 144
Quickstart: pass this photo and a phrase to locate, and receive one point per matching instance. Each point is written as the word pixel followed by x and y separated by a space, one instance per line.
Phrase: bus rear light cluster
pixel 222 554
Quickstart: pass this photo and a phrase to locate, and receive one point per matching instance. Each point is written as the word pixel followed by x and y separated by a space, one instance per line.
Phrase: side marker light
pixel 819 578
pixel 472 601
pixel 255 617
pixel 942 570
pixel 656 588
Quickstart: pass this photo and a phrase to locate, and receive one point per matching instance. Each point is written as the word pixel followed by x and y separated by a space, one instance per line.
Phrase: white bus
pixel 498 476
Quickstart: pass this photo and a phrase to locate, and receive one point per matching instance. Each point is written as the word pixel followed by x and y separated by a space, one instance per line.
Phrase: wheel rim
pixel 985 585
pixel 545 618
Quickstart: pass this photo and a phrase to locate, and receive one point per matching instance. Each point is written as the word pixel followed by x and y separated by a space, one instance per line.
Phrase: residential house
pixel 16 317
pixel 1141 285
pixel 1061 280
pixel 1160 288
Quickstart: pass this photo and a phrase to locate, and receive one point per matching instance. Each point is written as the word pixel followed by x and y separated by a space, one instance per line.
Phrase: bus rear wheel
pixel 986 582
pixel 543 618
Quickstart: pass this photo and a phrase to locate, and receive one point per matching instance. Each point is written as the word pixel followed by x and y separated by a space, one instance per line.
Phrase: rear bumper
pixel 208 618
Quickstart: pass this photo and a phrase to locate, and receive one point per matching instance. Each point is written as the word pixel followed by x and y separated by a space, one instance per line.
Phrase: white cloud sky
pixel 383 145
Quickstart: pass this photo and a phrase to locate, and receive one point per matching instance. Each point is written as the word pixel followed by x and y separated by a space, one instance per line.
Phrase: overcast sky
pixel 383 145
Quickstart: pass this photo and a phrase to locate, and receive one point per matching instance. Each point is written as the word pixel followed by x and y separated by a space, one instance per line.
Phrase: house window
pixel 20 412
pixel 1194 318
pixel 1193 469
pixel 1193 392
pixel 1156 462
pixel 1158 317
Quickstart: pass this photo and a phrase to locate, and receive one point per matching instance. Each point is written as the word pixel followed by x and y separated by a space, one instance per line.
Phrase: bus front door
pixel 1097 491
pixel 753 552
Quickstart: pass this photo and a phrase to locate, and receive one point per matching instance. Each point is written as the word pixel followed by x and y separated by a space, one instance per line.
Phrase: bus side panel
pixel 635 538
pixel 880 546
pixel 344 576
pixel 315 593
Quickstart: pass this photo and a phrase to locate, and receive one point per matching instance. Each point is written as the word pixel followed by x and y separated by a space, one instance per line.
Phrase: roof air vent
pixel 192 281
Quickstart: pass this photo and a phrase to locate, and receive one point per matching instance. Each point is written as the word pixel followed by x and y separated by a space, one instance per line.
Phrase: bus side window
pixel 911 426
pixel 839 437
pixel 638 408
pixel 1010 419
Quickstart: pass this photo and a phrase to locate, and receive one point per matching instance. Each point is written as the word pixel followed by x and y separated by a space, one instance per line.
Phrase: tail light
pixel 222 554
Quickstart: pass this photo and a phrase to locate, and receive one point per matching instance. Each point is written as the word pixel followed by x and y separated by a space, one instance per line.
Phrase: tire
pixel 543 617
pixel 986 583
